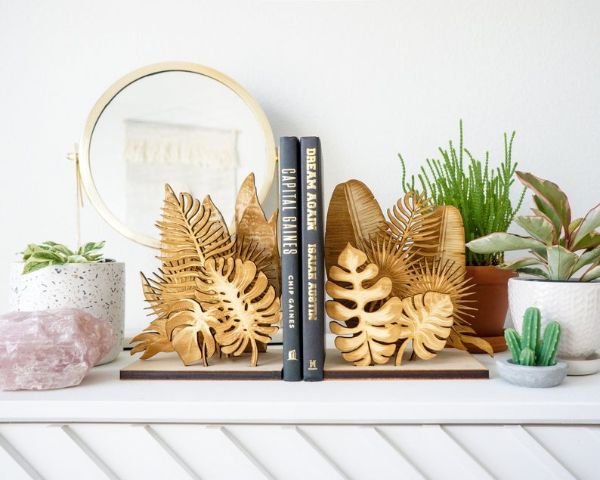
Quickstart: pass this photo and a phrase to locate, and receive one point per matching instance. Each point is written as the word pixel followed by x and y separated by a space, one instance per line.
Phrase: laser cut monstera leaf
pixel 189 328
pixel 243 301
pixel 152 340
pixel 426 322
pixel 367 336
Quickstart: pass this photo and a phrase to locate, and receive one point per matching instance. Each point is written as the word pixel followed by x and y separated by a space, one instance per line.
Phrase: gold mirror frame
pixel 85 167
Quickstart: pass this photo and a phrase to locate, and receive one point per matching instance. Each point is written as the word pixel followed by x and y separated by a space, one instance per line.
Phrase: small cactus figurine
pixel 528 349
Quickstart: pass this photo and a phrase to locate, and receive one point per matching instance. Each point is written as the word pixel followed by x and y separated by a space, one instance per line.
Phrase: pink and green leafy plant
pixel 559 247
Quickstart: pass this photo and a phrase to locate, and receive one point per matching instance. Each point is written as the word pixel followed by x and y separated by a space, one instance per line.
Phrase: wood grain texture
pixel 366 335
pixel 353 216
pixel 168 367
pixel 448 364
pixel 448 242
pixel 426 322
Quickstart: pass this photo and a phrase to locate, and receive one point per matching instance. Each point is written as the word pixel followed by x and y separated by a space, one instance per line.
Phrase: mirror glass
pixel 176 127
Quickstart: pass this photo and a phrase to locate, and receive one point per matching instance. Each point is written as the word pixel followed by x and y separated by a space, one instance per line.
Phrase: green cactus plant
pixel 529 349
pixel 481 192
pixel 527 357
pixel 532 323
pixel 561 248
pixel 549 345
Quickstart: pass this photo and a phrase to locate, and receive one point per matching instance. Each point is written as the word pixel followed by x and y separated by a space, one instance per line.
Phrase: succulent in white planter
pixel 533 362
pixel 563 265
pixel 52 276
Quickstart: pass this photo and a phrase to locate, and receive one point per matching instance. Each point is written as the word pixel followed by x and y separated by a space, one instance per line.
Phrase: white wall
pixel 371 78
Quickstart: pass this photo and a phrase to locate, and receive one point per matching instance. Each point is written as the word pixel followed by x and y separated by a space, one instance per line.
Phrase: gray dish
pixel 535 377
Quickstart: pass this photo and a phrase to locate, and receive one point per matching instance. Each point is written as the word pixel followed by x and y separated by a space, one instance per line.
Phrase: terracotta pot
pixel 491 297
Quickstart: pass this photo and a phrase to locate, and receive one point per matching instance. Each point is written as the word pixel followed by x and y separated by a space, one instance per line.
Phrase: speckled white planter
pixel 97 288
pixel 575 305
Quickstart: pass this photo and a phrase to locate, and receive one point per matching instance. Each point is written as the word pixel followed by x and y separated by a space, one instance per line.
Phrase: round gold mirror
pixel 178 123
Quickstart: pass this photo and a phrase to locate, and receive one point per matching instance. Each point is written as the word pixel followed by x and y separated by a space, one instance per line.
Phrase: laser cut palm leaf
pixel 445 277
pixel 367 336
pixel 411 224
pixel 354 217
pixel 392 262
pixel 242 300
pixel 426 322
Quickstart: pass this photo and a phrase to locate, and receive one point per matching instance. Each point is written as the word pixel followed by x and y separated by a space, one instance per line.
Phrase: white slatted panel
pixel 361 451
pixel 497 449
pixel 274 447
pixel 128 451
pixel 118 451
pixel 551 466
pixel 210 452
pixel 435 453
pixel 49 451
pixel 576 448
pixel 12 465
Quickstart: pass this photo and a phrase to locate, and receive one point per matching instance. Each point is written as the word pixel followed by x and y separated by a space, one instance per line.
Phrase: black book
pixel 289 233
pixel 313 316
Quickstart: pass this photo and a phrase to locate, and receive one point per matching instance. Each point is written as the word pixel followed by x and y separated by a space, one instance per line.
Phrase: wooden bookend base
pixel 448 364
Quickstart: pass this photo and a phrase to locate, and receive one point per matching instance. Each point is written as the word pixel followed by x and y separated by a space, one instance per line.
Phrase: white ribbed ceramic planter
pixel 575 305
pixel 97 288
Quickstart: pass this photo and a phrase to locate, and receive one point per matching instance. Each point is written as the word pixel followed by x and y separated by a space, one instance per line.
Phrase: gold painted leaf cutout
pixel 392 262
pixel 448 243
pixel 443 277
pixel 426 322
pixel 152 340
pixel 446 277
pixel 243 301
pixel 354 217
pixel 411 224
pixel 188 236
pixel 367 336
pixel 252 226
pixel 189 328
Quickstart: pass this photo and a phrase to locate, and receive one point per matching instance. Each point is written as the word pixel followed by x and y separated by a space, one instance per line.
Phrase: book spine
pixel 313 316
pixel 289 234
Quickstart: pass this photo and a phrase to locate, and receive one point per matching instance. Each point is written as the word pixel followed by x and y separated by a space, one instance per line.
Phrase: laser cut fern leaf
pixel 411 224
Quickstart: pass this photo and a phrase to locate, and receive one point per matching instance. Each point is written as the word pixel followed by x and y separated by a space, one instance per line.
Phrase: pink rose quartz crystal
pixel 51 348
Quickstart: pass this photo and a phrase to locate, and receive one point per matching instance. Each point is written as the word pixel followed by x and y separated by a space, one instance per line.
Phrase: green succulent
pixel 37 256
pixel 559 247
pixel 481 193
pixel 528 348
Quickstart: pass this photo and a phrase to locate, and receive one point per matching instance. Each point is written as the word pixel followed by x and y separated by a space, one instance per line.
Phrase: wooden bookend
pixel 215 292
pixel 396 282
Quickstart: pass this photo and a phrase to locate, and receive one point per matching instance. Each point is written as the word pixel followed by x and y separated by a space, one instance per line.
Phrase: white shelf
pixel 102 397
